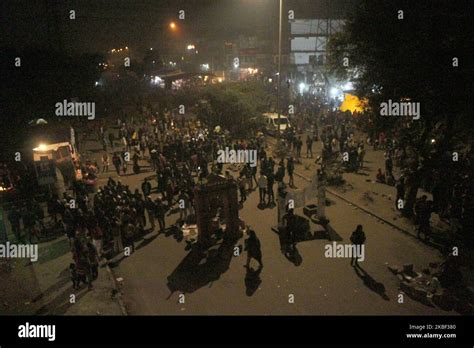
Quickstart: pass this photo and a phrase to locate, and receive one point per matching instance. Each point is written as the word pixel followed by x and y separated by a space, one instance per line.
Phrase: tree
pixel 236 107
pixel 406 51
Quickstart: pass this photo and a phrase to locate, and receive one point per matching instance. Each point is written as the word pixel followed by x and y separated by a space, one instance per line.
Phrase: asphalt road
pixel 218 283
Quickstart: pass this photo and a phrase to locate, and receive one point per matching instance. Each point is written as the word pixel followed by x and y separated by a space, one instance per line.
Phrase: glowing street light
pixel 173 26
pixel 302 87
pixel 41 147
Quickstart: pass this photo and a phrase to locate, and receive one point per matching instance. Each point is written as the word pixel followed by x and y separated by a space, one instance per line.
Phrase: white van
pixel 271 123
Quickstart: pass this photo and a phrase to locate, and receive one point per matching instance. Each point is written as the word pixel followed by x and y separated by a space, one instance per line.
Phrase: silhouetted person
pixel 252 245
pixel 160 214
pixel 146 187
pixel 309 146
pixel 289 221
pixel 357 239
pixel 400 192
pixel 290 166
pixel 423 209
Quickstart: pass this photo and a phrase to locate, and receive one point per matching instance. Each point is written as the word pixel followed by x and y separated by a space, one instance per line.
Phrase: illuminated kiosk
pixel 217 206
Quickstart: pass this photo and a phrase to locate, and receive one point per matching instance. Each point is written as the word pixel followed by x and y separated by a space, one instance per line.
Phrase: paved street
pixel 320 285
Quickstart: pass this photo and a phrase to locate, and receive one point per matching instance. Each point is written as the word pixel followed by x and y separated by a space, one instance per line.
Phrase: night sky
pixel 101 25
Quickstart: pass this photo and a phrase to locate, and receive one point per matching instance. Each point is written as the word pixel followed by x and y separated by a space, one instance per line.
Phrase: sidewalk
pixel 378 200
pixel 362 191
pixel 44 287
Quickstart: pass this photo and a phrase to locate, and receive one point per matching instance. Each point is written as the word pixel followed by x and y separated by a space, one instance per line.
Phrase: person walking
pixel 309 146
pixel 270 183
pixel 146 187
pixel 105 163
pixel 357 239
pixel 290 166
pixel 252 245
pixel 117 162
pixel 150 207
pixel 160 214
pixel 262 187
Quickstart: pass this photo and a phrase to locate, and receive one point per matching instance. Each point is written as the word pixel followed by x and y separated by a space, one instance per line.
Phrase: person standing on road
pixel 400 194
pixel 270 183
pixel 96 234
pixel 290 166
pixel 117 163
pixel 252 245
pixel 117 236
pixel 111 140
pixel 389 165
pixel 105 162
pixel 309 146
pixel 14 218
pixel 146 188
pixel 357 239
pixel 150 208
pixel 423 210
pixel 360 156
pixel 243 194
pixel 160 214
pixel 262 187
pixel 183 205
pixel 124 156
pixel 299 145
pixel 289 221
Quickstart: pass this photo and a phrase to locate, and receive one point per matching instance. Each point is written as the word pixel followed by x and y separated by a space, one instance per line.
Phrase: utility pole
pixel 279 66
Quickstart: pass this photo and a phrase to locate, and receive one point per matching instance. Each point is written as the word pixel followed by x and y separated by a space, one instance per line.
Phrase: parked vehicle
pixel 272 122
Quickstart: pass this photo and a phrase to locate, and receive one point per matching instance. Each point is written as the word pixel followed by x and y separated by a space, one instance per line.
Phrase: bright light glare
pixel 41 147
pixel 302 87
pixel 334 92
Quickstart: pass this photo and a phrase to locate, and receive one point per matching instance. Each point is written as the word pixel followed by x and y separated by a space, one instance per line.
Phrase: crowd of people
pixel 179 155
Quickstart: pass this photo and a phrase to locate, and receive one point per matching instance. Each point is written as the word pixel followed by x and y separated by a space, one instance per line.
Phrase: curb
pixel 361 208
pixel 115 286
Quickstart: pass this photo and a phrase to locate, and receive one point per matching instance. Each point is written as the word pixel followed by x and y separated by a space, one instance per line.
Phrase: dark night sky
pixel 104 24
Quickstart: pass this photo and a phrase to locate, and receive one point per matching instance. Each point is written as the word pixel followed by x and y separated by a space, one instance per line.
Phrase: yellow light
pixel 352 103
pixel 191 47
pixel 126 47
pixel 41 147
pixel 173 25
